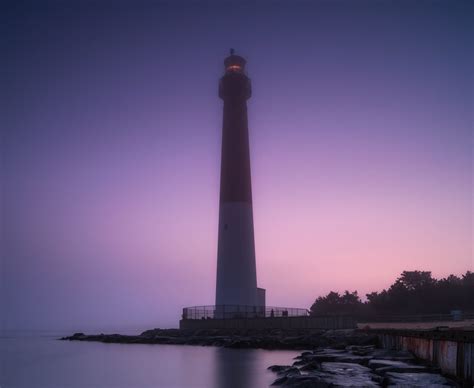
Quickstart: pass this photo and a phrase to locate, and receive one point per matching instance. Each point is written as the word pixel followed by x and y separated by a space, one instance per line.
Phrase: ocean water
pixel 38 361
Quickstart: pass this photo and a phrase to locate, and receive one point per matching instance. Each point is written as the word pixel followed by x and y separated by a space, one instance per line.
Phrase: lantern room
pixel 234 84
pixel 234 63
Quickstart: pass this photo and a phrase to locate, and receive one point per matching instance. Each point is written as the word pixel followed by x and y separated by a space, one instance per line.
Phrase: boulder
pixel 278 368
pixel 417 380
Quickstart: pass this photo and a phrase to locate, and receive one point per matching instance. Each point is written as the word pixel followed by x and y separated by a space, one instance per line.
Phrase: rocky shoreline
pixel 258 339
pixel 361 366
pixel 331 357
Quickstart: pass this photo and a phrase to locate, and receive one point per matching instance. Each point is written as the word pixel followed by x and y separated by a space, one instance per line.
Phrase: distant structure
pixel 236 288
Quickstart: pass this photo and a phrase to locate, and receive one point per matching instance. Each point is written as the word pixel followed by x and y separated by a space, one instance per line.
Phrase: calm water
pixel 42 361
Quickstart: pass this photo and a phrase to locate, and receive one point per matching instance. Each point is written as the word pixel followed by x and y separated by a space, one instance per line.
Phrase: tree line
pixel 413 292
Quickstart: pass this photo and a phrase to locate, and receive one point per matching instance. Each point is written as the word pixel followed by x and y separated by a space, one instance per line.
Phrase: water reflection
pixel 235 368
pixel 46 362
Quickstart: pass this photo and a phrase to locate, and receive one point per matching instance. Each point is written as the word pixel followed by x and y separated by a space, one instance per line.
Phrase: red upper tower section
pixel 234 89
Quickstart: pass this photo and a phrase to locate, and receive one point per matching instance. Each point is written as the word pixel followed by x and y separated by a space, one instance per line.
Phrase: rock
pixel 292 371
pixel 311 366
pixel 361 350
pixel 280 381
pixel 348 374
pixel 387 354
pixel 378 363
pixel 356 365
pixel 329 351
pixel 302 381
pixel 251 338
pixel 363 360
pixel 286 370
pixel 395 379
pixel 402 369
pixel 333 355
pixel 303 355
pixel 278 368
pixel 384 366
pixel 322 358
pixel 300 362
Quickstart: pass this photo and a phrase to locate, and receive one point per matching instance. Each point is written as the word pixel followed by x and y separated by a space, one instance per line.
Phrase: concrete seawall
pixel 302 322
pixel 450 350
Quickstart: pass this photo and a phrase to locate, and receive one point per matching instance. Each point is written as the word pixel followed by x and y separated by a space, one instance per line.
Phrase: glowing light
pixel 234 68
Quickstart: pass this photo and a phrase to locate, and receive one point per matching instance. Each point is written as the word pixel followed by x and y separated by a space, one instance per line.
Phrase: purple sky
pixel 361 148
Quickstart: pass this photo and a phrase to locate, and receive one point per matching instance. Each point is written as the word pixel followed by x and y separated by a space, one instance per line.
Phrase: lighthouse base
pixel 297 322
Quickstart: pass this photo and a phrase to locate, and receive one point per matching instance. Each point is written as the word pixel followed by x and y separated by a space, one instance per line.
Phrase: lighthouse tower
pixel 236 288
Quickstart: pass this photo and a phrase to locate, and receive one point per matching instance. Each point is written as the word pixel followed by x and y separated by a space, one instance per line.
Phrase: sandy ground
pixel 467 324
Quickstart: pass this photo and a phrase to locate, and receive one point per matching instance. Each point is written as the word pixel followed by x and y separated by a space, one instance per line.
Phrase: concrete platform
pixel 298 322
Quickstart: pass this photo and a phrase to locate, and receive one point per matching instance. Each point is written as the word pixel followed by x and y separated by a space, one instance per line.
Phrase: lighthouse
pixel 236 285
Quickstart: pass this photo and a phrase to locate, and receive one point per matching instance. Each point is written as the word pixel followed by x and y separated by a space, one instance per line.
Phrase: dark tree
pixel 333 303
pixel 416 280
pixel 413 292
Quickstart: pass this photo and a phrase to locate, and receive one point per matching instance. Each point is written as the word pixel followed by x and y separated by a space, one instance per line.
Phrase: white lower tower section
pixel 236 272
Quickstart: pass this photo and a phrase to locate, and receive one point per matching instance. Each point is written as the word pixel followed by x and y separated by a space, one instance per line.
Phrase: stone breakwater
pixel 361 366
pixel 261 339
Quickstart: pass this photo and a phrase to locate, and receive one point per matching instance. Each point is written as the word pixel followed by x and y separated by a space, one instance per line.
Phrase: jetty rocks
pixel 259 339
pixel 357 366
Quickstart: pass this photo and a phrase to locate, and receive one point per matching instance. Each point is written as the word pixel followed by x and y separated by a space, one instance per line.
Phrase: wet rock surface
pixel 395 379
pixel 357 366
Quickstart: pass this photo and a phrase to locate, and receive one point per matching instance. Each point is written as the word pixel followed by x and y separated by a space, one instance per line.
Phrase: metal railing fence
pixel 245 312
